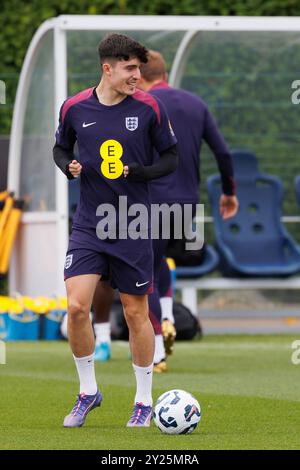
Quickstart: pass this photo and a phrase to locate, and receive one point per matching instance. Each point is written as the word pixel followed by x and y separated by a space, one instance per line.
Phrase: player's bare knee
pixel 77 310
pixel 133 313
pixel 130 313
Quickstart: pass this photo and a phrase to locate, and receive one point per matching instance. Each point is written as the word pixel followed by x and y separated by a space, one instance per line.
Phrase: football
pixel 177 412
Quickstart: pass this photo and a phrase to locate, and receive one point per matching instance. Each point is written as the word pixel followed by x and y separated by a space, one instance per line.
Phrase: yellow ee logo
pixel 111 151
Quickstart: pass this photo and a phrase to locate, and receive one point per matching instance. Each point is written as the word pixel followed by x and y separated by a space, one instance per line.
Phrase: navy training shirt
pixel 109 137
pixel 192 122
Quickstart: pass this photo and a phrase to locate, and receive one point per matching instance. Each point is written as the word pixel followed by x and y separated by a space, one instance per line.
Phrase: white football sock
pixel 143 377
pixel 102 333
pixel 159 352
pixel 86 372
pixel 166 304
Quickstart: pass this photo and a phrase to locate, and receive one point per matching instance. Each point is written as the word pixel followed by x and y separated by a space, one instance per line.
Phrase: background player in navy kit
pixel 117 128
pixel 192 123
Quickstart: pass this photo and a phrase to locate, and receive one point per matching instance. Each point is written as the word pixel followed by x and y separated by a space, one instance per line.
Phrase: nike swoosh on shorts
pixel 143 284
pixel 88 124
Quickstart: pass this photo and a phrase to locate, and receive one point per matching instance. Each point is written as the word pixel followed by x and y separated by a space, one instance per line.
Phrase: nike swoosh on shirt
pixel 88 124
pixel 140 285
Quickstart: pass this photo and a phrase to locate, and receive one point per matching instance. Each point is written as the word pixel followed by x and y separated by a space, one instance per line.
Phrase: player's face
pixel 124 76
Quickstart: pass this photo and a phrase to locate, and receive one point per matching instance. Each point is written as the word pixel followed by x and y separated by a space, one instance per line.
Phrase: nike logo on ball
pixel 140 285
pixel 88 124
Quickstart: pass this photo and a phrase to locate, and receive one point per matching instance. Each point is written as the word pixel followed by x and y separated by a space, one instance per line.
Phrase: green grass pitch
pixel 247 386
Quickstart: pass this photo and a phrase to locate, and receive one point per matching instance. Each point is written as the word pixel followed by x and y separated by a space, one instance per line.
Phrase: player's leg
pixel 141 340
pixel 102 302
pixel 141 335
pixel 132 274
pixel 82 273
pixel 80 290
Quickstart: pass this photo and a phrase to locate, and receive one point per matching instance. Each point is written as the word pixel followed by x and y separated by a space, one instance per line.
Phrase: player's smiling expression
pixel 124 75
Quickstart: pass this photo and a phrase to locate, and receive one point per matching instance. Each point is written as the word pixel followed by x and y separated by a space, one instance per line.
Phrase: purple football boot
pixel 84 404
pixel 141 416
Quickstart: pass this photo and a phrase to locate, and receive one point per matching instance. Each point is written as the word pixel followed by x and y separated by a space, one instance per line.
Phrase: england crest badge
pixel 69 260
pixel 132 123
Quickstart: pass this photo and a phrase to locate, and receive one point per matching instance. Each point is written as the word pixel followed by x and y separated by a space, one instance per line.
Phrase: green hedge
pixel 20 19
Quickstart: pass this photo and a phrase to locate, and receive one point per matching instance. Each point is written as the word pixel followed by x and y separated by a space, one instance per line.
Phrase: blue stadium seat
pixel 255 242
pixel 245 163
pixel 297 185
pixel 210 262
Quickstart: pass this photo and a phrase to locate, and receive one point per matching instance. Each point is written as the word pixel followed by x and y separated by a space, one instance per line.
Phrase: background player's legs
pixel 141 340
pixel 166 302
pixel 155 318
pixel 166 291
pixel 80 291
pixel 159 247
pixel 102 302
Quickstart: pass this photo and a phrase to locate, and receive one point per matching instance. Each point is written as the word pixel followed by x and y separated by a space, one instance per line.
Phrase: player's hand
pixel 125 171
pixel 229 205
pixel 134 172
pixel 75 168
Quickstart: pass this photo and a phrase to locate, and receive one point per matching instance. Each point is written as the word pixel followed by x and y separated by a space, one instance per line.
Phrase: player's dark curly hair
pixel 121 47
